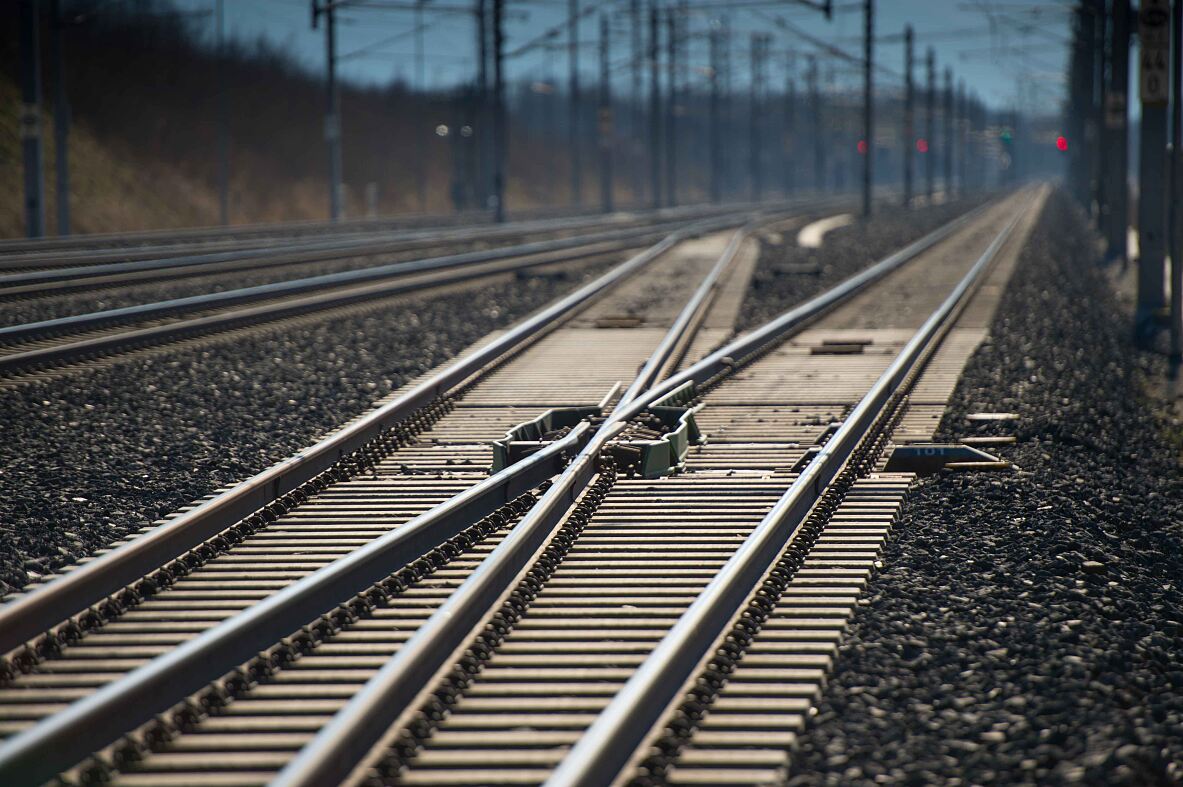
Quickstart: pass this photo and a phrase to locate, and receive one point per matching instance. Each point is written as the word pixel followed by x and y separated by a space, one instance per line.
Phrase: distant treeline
pixel 145 81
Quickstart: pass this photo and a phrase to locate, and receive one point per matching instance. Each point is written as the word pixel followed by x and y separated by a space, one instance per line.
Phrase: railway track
pixel 49 274
pixel 26 350
pixel 473 422
pixel 51 251
pixel 509 632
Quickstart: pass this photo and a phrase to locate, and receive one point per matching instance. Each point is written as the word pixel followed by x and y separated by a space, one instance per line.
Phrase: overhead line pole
pixel 930 124
pixel 975 161
pixel 685 94
pixel 1088 113
pixel 671 151
pixel 30 75
pixel 755 114
pixel 332 103
pixel 638 113
pixel 606 123
pixel 713 131
pixel 654 106
pixel 868 103
pixel 1085 61
pixel 1155 42
pixel 948 146
pixel 223 120
pixel 963 132
pixel 500 128
pixel 727 120
pixel 573 89
pixel 416 132
pixel 909 116
pixel 1076 175
pixel 1117 220
pixel 815 112
pixel 1096 128
pixel 483 130
pixel 61 117
pixel 1176 211
pixel 790 124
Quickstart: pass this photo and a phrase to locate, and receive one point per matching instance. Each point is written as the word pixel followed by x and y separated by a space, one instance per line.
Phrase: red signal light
pixel 1062 144
pixel 862 147
pixel 922 145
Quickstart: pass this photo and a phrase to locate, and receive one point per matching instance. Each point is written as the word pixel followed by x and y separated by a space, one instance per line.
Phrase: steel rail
pixel 85 726
pixel 45 328
pixel 36 612
pixel 99 241
pixel 685 325
pixel 131 338
pixel 274 255
pixel 40 257
pixel 391 695
pixel 412 223
pixel 315 250
pixel 38 754
pixel 606 747
pixel 33 266
pixel 253 234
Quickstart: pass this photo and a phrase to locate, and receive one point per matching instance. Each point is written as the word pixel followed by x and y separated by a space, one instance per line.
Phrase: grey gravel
pixel 1027 628
pixel 88 458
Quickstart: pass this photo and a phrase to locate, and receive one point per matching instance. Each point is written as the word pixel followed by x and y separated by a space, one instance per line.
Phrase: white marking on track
pixel 812 235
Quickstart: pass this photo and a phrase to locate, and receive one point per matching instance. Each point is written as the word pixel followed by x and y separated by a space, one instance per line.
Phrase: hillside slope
pixel 109 192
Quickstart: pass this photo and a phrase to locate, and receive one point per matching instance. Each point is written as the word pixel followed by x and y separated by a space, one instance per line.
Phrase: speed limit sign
pixel 1155 38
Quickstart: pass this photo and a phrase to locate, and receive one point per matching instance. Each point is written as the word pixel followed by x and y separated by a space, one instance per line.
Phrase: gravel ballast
pixel 787 274
pixel 1027 628
pixel 89 457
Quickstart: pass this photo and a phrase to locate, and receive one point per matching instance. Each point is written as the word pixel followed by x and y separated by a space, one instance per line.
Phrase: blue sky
pixel 1011 52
